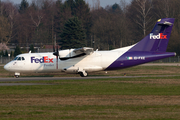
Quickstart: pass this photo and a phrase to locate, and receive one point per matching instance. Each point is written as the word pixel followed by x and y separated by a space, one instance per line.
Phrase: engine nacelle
pixel 66 53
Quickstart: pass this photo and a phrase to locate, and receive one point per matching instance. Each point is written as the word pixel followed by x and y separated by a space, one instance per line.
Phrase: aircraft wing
pixel 86 50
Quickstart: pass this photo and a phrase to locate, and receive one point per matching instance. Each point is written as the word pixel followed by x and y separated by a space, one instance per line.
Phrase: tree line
pixel 75 23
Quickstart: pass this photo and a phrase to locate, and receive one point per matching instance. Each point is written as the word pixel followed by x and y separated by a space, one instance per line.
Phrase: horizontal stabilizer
pixel 164 22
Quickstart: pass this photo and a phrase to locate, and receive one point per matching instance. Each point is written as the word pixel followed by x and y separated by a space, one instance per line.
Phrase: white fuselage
pixel 47 62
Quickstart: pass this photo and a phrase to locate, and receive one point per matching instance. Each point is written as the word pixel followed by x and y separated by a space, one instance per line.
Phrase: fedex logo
pixel 44 59
pixel 160 36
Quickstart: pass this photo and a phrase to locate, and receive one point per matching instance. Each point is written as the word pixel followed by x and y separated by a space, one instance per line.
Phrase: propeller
pixel 56 53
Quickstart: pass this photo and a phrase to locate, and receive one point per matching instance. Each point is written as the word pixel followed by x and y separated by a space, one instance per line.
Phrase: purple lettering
pixel 37 60
pixel 32 59
pixel 41 60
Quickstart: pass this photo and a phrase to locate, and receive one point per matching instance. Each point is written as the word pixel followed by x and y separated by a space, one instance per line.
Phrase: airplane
pixel 84 60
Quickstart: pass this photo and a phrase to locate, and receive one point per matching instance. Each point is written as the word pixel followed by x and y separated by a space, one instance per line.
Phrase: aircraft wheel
pixel 17 76
pixel 83 74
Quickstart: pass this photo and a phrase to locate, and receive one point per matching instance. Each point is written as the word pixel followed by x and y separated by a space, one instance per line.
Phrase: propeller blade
pixel 57 54
pixel 57 50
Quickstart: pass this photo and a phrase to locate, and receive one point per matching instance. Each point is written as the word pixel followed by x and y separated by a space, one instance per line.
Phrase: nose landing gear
pixel 16 75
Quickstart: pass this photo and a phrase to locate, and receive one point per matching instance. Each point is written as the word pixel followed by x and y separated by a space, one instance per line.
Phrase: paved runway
pixel 6 80
pixel 60 78
pixel 161 64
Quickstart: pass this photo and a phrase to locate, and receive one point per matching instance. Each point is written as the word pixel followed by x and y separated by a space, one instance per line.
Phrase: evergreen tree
pixel 70 3
pixel 6 54
pixel 23 6
pixel 31 48
pixel 82 11
pixel 73 35
pixel 63 13
pixel 116 8
pixel 17 51
pixel 11 54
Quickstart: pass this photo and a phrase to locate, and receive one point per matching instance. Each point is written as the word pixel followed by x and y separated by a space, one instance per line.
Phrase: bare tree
pixel 36 18
pixel 49 10
pixel 4 29
pixel 125 32
pixel 3 46
pixel 11 13
pixel 143 8
pixel 96 4
pixel 159 7
pixel 39 3
pixel 109 29
pixel 1 8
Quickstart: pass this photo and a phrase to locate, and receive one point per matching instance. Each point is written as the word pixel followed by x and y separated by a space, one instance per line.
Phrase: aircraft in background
pixel 84 60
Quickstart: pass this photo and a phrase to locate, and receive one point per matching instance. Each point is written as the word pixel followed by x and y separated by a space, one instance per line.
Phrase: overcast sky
pixel 103 3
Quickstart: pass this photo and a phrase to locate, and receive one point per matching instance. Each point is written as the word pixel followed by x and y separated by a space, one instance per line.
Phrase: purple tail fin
pixel 158 39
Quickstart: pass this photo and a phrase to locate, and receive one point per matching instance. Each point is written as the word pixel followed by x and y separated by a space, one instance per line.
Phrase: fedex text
pixel 160 36
pixel 44 59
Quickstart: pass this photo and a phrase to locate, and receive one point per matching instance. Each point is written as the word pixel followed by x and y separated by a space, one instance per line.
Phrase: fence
pixel 169 60
pixel 4 60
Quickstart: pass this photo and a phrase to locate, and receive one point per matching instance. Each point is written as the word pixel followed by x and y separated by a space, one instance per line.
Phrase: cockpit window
pixel 19 58
pixel 15 58
pixel 23 58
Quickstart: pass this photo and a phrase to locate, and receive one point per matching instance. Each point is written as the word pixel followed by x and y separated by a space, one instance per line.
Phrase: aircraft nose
pixel 6 67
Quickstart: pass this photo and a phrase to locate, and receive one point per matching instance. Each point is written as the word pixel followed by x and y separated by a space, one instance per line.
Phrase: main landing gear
pixel 83 74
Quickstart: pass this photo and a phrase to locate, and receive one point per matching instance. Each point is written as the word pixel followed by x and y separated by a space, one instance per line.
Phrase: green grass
pixel 146 98
pixel 91 112
pixel 118 86
pixel 123 98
